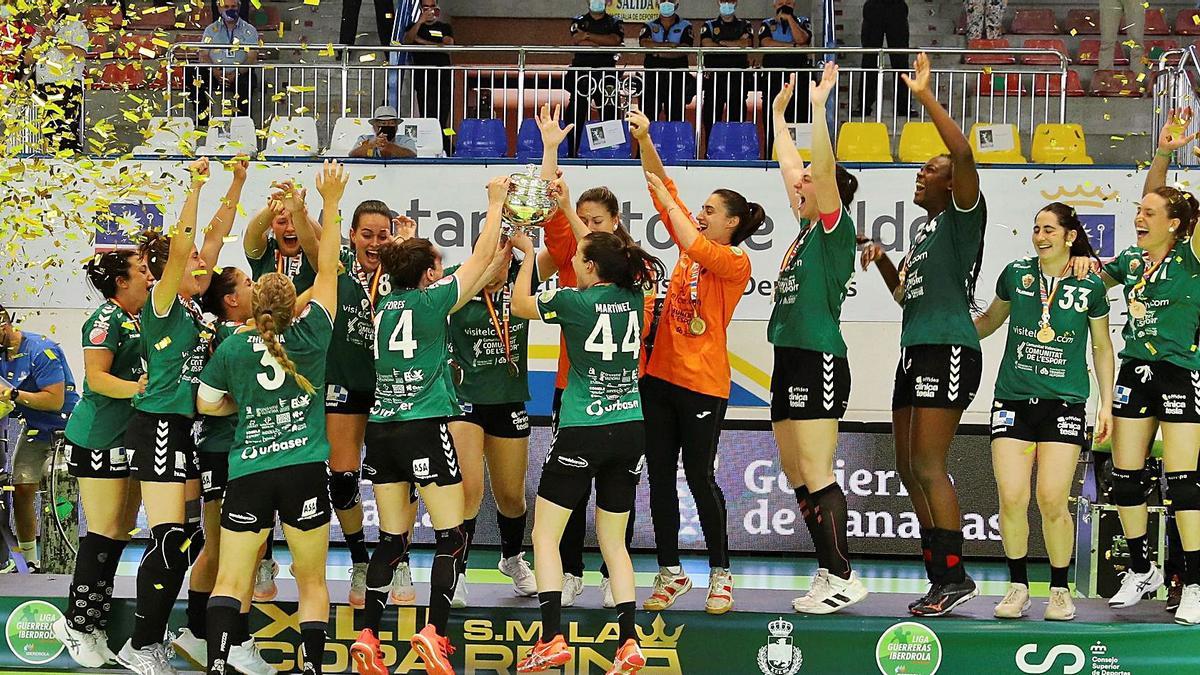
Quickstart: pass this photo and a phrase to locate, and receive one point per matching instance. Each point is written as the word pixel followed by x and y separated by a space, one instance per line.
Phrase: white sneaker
pixel 265 589
pixel 572 586
pixel 151 660
pixel 1134 586
pixel 515 568
pixel 8 566
pixel 358 586
pixel 190 647
pixel 606 601
pixel 1015 602
pixel 110 657
pixel 80 645
pixel 403 592
pixel 246 659
pixel 460 593
pixel 818 588
pixel 835 594
pixel 1188 612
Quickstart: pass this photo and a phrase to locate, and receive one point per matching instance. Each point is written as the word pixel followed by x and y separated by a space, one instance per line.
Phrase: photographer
pixel 385 143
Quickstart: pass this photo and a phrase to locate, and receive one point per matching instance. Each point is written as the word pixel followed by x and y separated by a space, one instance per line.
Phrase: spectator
pixel 433 78
pixel 215 6
pixel 34 376
pixel 784 31
pixel 727 86
pixel 57 53
pixel 583 82
pixel 1110 25
pixel 985 18
pixel 669 91
pixel 882 19
pixel 385 143
pixel 385 20
pixel 233 83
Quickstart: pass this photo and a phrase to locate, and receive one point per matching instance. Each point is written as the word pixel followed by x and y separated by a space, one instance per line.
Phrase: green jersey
pixel 98 422
pixel 937 310
pixel 1056 369
pixel 295 267
pixel 601 326
pixel 176 346
pixel 412 360
pixel 278 423
pixel 812 286
pixel 480 354
pixel 217 434
pixel 1170 300
pixel 349 363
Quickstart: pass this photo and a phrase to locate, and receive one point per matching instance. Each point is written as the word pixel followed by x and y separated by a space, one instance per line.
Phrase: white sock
pixel 674 569
pixel 28 551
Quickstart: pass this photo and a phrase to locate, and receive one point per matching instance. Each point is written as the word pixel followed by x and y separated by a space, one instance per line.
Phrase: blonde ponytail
pixel 274 301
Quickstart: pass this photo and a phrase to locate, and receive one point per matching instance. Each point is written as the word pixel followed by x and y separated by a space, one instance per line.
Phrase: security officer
pixel 727 85
pixel 669 90
pixel 784 31
pixel 433 77
pixel 597 28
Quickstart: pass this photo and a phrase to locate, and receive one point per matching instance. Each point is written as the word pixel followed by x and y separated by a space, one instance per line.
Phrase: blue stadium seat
pixel 529 142
pixel 675 141
pixel 733 141
pixel 481 139
pixel 622 151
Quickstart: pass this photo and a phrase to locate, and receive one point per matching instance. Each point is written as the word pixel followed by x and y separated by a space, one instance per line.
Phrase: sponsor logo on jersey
pixel 1121 393
pixel 242 518
pixel 99 334
pixel 336 394
pixel 598 408
pixel 1003 418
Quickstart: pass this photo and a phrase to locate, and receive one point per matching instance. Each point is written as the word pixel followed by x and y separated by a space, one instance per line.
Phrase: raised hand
pixel 521 241
pixel 331 180
pixel 871 252
pixel 660 190
pixel 560 192
pixel 639 124
pixel 919 82
pixel 497 190
pixel 238 165
pixel 548 123
pixel 779 106
pixel 818 92
pixel 404 228
pixel 1174 133
pixel 199 171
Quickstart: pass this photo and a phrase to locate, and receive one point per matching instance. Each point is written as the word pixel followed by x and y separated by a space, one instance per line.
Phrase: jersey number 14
pixel 401 339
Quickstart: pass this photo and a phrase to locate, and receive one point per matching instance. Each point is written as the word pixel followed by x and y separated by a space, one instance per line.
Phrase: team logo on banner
pixel 908 647
pixel 1100 227
pixel 779 656
pixel 29 635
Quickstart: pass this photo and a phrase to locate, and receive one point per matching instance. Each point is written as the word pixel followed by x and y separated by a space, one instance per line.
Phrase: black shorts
pixel 808 385
pixel 342 401
pixel 89 463
pixel 162 448
pixel 414 451
pixel 299 494
pixel 937 376
pixel 214 475
pixel 612 454
pixel 1040 420
pixel 502 420
pixel 1157 389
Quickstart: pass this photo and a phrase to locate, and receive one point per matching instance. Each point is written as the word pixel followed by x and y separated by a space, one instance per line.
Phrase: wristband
pixel 1165 154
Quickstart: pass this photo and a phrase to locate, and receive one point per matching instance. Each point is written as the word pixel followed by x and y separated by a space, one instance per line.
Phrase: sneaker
pixel 460 593
pixel 33 566
pixel 191 648
pixel 515 568
pixel 367 655
pixel 545 655
pixel 1135 586
pixel 247 660
pixel 572 586
pixel 110 657
pixel 834 594
pixel 668 586
pixel 358 585
pixel 1174 592
pixel 8 567
pixel 403 592
pixel 434 651
pixel 1015 603
pixel 149 660
pixel 720 591
pixel 265 589
pixel 606 596
pixel 1060 607
pixel 1188 613
pixel 944 597
pixel 924 598
pixel 817 589
pixel 629 659
pixel 80 645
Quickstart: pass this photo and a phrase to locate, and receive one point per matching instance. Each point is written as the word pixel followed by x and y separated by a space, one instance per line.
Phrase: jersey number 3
pixel 401 339
pixel 274 379
pixel 1068 298
pixel 601 339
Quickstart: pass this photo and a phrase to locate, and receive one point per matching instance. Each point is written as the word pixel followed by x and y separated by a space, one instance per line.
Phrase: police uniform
pixel 433 82
pixel 779 66
pixel 726 86
pixel 667 90
pixel 585 86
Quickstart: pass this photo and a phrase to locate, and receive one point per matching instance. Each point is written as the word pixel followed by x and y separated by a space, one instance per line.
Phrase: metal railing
pixel 1175 86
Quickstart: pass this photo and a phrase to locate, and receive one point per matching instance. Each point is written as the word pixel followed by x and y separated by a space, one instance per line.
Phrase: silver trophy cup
pixel 529 204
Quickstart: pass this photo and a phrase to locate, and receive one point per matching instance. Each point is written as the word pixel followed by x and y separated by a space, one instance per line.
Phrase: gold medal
pixel 1045 334
pixel 513 370
pixel 697 326
pixel 1137 309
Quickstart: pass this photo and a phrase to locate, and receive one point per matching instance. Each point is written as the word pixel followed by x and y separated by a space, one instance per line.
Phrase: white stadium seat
pixel 428 132
pixel 292 137
pixel 168 136
pixel 230 136
pixel 346 132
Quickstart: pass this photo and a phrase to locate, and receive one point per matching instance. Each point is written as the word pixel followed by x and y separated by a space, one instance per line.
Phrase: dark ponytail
pixel 155 247
pixel 847 185
pixel 222 284
pixel 622 262
pixel 1068 219
pixel 105 269
pixel 1181 204
pixel 406 261
pixel 750 215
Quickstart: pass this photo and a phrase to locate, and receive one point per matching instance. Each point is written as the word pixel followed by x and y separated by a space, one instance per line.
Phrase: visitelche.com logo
pixel 29 635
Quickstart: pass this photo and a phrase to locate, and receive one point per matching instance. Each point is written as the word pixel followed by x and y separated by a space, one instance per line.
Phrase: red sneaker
pixel 629 659
pixel 366 654
pixel 434 650
pixel 545 655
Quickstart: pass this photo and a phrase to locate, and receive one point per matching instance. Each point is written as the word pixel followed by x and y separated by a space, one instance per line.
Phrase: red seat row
pixel 997 52
pixel 1107 83
pixel 1087 22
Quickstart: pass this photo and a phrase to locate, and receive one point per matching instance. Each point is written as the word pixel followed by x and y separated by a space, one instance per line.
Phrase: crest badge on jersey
pixel 98 335
pixel 1027 280
pixel 1134 264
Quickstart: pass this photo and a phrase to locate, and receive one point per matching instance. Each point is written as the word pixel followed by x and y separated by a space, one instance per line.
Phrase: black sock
pixel 312 636
pixel 379 576
pixel 1058 576
pixel 1191 568
pixel 927 552
pixel 243 629
pixel 444 575
pixel 223 617
pixel 112 561
pixel 357 543
pixel 952 543
pixel 1018 571
pixel 469 533
pixel 512 534
pixel 805 504
pixel 829 506
pixel 159 579
pixel 1139 554
pixel 197 605
pixel 551 605
pixel 626 612
pixel 87 583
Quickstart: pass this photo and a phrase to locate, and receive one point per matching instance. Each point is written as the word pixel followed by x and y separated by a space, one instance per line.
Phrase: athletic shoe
pixel 945 596
pixel 606 596
pixel 546 655
pixel 150 660
pixel 110 657
pixel 191 648
pixel 820 581
pixel 1188 613
pixel 80 645
pixel 247 660
pixel 366 654
pixel 460 593
pixel 720 591
pixel 1135 586
pixel 434 651
pixel 358 586
pixel 1174 592
pixel 265 589
pixel 403 592
pixel 1060 607
pixel 924 598
pixel 668 586
pixel 33 567
pixel 629 659
pixel 1015 603
pixel 8 567
pixel 515 568
pixel 572 586
pixel 832 595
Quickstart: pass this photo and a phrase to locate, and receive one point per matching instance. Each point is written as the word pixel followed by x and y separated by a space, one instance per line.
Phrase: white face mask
pixel 597 6
pixel 667 8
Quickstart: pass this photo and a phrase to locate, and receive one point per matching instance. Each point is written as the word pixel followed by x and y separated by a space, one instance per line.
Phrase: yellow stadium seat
pixel 919 141
pixel 864 142
pixel 1059 144
pixel 1004 139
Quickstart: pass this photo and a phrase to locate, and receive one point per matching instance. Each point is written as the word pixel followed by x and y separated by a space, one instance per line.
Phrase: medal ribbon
pixel 794 249
pixel 693 282
pixel 284 265
pixel 1148 272
pixel 1048 298
pixel 501 326
pixel 369 286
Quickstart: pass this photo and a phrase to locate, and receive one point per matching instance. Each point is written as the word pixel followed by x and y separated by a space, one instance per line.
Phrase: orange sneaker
pixel 434 650
pixel 546 655
pixel 629 659
pixel 366 654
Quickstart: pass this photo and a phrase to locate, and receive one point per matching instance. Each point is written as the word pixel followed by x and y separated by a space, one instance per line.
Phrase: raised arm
pixel 1102 365
pixel 552 136
pixel 562 193
pixel 1172 137
pixel 791 165
pixel 183 242
pixel 331 183
pixel 824 175
pixel 966 177
pixel 254 242
pixel 992 318
pixel 222 221
pixel 524 304
pixel 307 230
pixel 683 230
pixel 471 273
pixel 639 128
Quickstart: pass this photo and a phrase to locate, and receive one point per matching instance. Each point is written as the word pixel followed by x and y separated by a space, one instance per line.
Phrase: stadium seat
pixel 109 16
pixel 292 137
pixel 265 18
pixel 481 139
pixel 529 142
pixel 98 46
pixel 151 18
pixel 1059 144
pixel 1089 53
pixel 621 151
pixel 1187 22
pixel 864 142
pixel 1083 21
pixel 997 84
pixel 1029 21
pixel 1045 59
pixel 919 141
pixel 121 77
pixel 346 131
pixel 159 83
pixel 802 137
pixel 168 136
pixel 1116 83
pixel 1156 23
pixel 995 57
pixel 139 46
pixel 195 18
pixel 733 141
pixel 993 134
pixel 1051 85
pixel 230 136
pixel 675 141
pixel 428 132
pixel 1156 48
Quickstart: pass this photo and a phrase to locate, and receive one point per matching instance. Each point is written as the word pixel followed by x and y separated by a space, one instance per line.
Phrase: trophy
pixel 529 204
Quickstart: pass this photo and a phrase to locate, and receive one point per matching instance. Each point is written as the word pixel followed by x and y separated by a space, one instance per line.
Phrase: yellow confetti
pixel 134 531
pixel 8 488
pixel 187 543
pixel 50 355
pixel 158 587
pixel 447 132
pixel 163 343
pixel 366 58
pixel 228 239
pixel 312 3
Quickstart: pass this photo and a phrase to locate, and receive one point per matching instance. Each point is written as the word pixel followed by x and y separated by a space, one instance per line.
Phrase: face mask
pixel 727 8
pixel 597 6
pixel 230 14
pixel 667 8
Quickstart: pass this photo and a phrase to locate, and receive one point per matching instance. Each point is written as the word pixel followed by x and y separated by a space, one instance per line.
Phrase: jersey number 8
pixel 401 339
pixel 601 339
